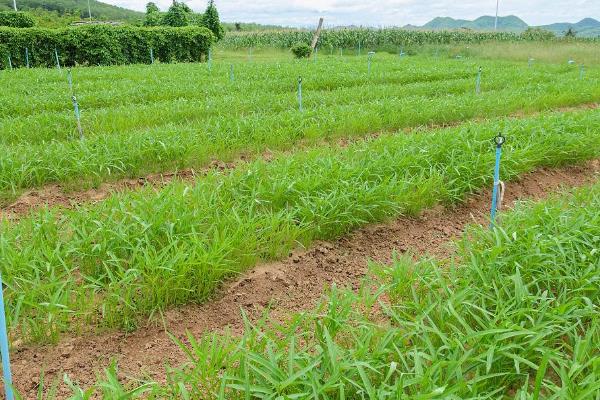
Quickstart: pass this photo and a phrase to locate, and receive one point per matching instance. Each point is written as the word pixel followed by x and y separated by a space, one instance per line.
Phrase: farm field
pixel 142 119
pixel 373 141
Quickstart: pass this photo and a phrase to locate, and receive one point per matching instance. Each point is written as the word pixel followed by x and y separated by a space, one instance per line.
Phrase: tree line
pixel 180 14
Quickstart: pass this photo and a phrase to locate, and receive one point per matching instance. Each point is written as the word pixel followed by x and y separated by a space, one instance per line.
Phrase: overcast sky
pixel 384 12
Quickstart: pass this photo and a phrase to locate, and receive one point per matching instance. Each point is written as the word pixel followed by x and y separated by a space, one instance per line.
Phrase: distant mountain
pixel 588 27
pixel 62 12
pixel 510 23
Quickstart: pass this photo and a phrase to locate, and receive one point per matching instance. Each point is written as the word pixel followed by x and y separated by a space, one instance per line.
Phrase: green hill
pixel 587 27
pixel 509 23
pixel 63 12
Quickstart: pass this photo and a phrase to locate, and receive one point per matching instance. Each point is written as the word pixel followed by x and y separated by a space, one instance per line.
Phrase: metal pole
pixel 9 62
pixel 57 60
pixel 70 79
pixel 89 10
pixel 496 22
pixel 15 4
pixel 8 383
pixel 77 116
pixel 499 140
pixel 27 56
pixel 300 94
pixel 151 56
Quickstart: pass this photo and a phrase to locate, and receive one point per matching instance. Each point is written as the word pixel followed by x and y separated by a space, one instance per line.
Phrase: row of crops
pixel 515 317
pixel 142 119
pixel 115 262
pixel 516 313
pixel 351 38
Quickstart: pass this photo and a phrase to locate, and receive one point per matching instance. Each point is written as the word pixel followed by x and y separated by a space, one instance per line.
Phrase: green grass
pixel 543 52
pixel 114 263
pixel 513 315
pixel 143 119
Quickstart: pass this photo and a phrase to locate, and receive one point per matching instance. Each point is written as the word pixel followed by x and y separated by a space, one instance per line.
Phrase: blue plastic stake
pixel 77 116
pixel 300 94
pixel 231 76
pixel 478 82
pixel 151 55
pixel 581 71
pixel 499 140
pixel 401 53
pixel 27 57
pixel 70 79
pixel 8 383
pixel 57 60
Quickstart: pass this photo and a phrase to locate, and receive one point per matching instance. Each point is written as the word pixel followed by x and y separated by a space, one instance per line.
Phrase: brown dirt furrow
pixel 57 195
pixel 294 284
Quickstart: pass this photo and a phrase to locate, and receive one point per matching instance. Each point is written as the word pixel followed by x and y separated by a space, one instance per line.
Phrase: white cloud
pixel 385 12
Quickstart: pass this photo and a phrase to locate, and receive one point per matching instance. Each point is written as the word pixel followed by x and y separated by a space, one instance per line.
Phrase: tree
pixel 153 16
pixel 570 33
pixel 178 15
pixel 16 19
pixel 212 22
pixel 151 7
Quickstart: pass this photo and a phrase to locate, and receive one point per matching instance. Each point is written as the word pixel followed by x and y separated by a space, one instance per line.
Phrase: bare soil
pixel 294 284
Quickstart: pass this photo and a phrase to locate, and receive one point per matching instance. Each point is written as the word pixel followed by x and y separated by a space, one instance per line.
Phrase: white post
pixel 15 4
pixel 89 10
pixel 496 22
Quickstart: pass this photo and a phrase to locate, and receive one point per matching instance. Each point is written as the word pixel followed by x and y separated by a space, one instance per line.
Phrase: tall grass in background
pixel 116 262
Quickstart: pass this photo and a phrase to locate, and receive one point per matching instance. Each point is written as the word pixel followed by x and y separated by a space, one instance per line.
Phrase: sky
pixel 384 12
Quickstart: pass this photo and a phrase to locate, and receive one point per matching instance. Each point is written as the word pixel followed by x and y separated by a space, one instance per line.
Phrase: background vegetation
pixel 102 45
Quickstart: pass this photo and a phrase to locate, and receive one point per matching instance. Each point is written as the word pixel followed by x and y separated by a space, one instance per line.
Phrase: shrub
pixel 301 50
pixel 537 34
pixel 15 19
pixel 105 45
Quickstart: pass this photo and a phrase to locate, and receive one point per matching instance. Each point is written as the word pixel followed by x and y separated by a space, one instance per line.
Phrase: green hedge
pixel 103 45
pixel 16 19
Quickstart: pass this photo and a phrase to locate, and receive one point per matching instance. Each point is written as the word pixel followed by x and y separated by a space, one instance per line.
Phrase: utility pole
pixel 496 23
pixel 89 10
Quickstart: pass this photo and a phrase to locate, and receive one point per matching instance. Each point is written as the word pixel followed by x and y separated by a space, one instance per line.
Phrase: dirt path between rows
pixel 56 195
pixel 294 284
